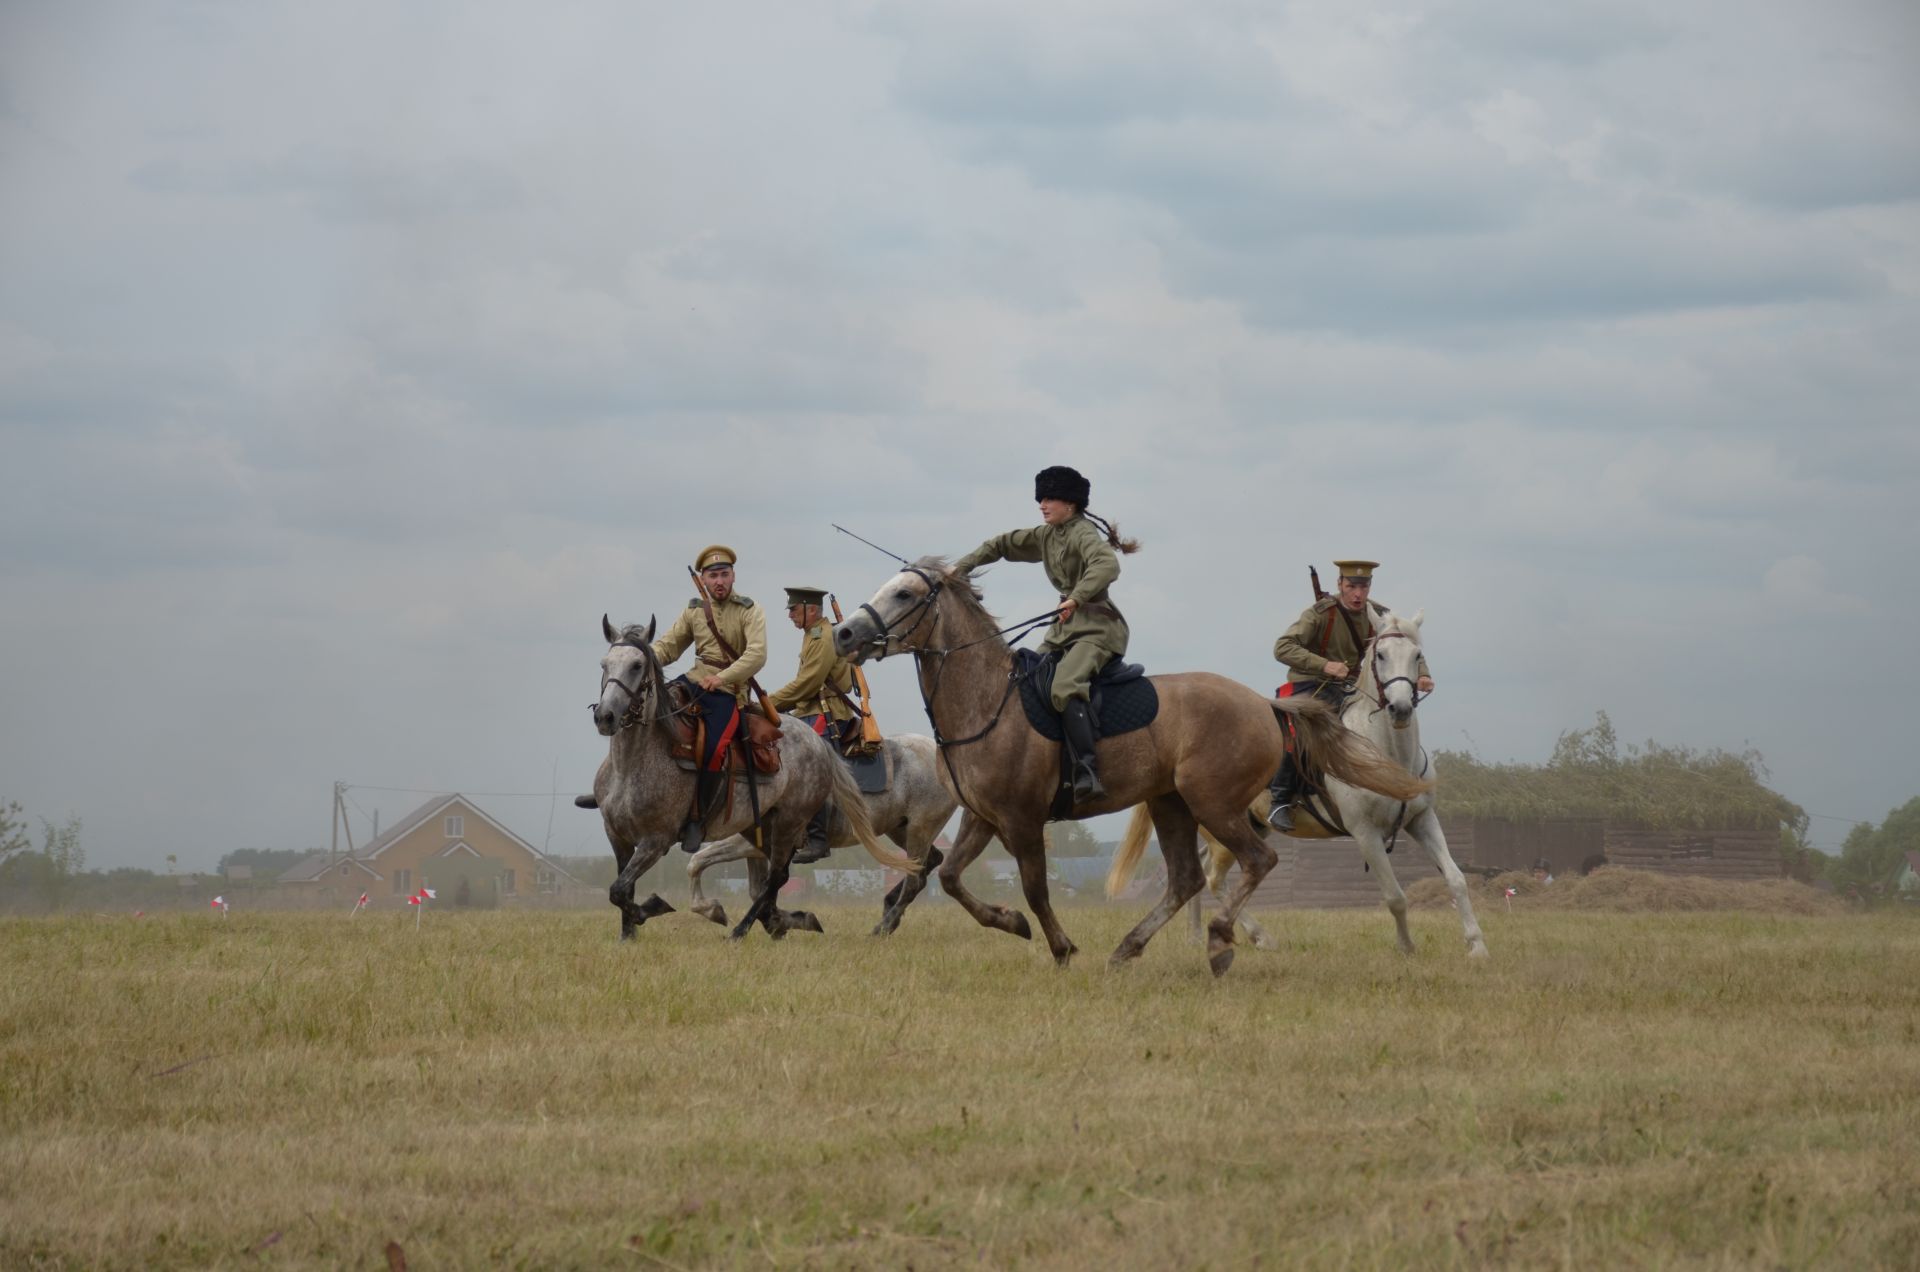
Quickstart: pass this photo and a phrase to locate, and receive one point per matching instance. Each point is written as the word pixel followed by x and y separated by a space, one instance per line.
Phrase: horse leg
pixel 1374 848
pixel 975 832
pixel 732 848
pixel 1173 823
pixel 1425 829
pixel 1250 851
pixel 761 899
pixel 1219 861
pixel 1032 859
pixel 639 861
pixel 907 889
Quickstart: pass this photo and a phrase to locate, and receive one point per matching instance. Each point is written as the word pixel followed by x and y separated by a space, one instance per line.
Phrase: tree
pixel 1873 855
pixel 266 863
pixel 1071 839
pixel 65 859
pixel 13 832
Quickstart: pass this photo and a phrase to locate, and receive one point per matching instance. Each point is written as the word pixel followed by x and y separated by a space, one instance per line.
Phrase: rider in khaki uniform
pixel 820 695
pixel 720 682
pixel 1081 555
pixel 1322 652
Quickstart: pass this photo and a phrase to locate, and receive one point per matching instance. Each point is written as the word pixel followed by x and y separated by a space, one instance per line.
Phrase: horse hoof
pixel 655 906
pixel 1478 952
pixel 1265 942
pixel 1220 960
pixel 806 922
pixel 712 911
pixel 1020 927
pixel 1064 957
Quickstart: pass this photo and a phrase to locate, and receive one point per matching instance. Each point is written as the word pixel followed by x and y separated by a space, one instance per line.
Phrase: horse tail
pixel 1127 858
pixel 1219 860
pixel 1343 753
pixel 853 807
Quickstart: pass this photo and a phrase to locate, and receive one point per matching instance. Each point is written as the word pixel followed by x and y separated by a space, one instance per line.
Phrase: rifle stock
pixel 869 727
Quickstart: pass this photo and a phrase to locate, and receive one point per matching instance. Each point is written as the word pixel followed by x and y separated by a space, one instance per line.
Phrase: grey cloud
pixel 345 187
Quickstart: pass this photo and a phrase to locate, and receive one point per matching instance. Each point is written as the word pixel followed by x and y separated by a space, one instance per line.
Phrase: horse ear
pixel 606 628
pixel 651 620
pixel 1419 617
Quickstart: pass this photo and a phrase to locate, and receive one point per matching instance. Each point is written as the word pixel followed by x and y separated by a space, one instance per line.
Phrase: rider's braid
pixel 1128 546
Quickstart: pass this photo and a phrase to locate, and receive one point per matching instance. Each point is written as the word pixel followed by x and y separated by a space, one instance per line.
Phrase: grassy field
pixel 1714 1090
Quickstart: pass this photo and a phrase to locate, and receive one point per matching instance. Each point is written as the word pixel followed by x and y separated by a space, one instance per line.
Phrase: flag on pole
pixel 413 900
pixel 1511 893
pixel 428 893
pixel 358 906
pixel 220 903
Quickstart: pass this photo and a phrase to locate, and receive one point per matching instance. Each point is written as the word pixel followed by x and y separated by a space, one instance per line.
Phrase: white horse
pixel 911 811
pixel 1382 710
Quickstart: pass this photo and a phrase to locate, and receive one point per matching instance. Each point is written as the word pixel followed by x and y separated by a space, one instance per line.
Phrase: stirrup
pixel 1280 816
pixel 690 835
pixel 1087 786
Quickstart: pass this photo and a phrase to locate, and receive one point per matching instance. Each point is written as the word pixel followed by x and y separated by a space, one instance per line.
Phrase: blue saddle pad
pixel 869 771
pixel 1123 698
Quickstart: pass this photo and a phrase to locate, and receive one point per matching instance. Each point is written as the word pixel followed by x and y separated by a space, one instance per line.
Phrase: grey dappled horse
pixel 643 795
pixel 911 811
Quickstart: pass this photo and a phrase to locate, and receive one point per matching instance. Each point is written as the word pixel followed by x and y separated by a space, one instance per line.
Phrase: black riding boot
pixel 706 785
pixel 1286 784
pixel 1078 726
pixel 816 847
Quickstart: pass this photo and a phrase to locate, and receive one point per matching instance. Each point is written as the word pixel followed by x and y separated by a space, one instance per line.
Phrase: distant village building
pixel 448 844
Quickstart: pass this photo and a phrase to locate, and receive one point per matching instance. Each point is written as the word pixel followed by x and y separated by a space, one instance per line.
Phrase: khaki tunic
pixel 1310 644
pixel 1080 564
pixel 743 623
pixel 808 693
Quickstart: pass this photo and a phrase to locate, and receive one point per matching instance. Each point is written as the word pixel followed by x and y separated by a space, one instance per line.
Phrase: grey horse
pixel 643 795
pixel 911 811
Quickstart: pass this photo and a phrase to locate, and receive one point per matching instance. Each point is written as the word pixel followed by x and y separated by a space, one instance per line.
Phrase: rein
pixel 919 612
pixel 635 713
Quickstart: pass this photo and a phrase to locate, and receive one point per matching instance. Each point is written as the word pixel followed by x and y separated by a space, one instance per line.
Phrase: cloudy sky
pixel 355 357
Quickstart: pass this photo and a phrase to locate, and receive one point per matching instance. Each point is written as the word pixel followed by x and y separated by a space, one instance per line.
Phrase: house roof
pixel 310 868
pixel 412 821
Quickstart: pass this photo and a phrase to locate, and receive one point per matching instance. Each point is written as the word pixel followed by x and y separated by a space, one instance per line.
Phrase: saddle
pixel 1122 700
pixel 758 745
pixel 867 761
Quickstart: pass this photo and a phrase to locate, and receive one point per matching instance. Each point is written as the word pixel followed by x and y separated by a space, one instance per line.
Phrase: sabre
pixel 869 542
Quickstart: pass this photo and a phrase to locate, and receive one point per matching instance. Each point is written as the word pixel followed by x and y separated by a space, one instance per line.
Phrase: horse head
pixel 901 616
pixel 629 677
pixel 1393 660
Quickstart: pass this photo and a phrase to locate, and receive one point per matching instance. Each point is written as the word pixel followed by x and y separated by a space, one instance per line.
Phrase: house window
pixel 456 827
pixel 506 882
pixel 402 882
pixel 346 870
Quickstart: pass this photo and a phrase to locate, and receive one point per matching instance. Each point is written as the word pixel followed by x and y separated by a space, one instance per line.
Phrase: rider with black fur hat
pixel 1081 554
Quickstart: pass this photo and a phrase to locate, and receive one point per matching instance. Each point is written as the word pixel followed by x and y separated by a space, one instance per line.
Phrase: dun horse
pixel 1209 751
pixel 643 795
pixel 911 811
pixel 1382 710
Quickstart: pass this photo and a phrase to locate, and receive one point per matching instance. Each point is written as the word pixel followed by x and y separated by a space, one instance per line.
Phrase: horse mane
pixel 940 567
pixel 634 634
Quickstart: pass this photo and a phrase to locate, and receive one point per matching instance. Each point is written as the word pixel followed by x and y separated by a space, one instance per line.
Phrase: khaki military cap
pixel 1356 569
pixel 806 596
pixel 717 554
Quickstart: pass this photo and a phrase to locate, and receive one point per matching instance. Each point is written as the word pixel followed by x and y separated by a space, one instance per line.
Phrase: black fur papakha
pixel 1061 482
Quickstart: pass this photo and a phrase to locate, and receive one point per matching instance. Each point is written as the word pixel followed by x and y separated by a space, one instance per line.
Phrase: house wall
pixel 417 852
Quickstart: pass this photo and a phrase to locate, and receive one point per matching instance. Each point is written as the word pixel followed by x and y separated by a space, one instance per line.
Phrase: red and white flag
pixel 413 900
pixel 1513 892
pixel 428 893
pixel 217 902
pixel 363 898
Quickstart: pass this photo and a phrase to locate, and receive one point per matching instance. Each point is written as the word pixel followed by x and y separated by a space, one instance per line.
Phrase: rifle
pixel 1319 593
pixel 706 607
pixel 869 727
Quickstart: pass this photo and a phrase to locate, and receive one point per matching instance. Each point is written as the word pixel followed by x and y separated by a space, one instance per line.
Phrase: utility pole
pixel 333 852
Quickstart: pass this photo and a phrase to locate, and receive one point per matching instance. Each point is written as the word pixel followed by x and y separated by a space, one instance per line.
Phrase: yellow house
pixel 446 842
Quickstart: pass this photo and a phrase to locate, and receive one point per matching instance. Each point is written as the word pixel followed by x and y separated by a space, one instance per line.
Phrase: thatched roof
pixel 1591 775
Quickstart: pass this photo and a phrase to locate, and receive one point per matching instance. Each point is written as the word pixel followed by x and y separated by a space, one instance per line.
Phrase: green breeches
pixel 1073 677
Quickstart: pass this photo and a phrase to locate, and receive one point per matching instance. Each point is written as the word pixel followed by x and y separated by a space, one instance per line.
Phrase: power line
pixel 420 790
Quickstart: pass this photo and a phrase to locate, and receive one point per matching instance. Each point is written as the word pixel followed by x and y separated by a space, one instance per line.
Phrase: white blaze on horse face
pixel 895 599
pixel 622 673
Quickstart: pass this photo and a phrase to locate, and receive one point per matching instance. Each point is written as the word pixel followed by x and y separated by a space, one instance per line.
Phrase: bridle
pixel 637 711
pixel 919 611
pixel 1380 687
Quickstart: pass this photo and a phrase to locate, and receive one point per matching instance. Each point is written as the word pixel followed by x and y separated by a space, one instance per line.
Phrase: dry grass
pixel 1634 892
pixel 1716 1089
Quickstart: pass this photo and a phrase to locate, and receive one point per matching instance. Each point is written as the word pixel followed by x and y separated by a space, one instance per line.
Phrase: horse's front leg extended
pixel 1374 849
pixel 1425 830
pixel 1032 857
pixel 621 893
pixel 732 848
pixel 975 834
